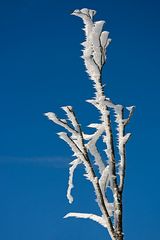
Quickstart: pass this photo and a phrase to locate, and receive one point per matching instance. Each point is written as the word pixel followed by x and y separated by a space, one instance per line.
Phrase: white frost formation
pixel 73 164
pixel 85 145
pixel 93 217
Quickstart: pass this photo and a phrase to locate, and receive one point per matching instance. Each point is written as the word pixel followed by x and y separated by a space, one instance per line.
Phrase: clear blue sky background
pixel 40 70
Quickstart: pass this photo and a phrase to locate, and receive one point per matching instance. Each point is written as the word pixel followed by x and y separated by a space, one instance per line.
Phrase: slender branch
pixel 61 122
pixel 95 182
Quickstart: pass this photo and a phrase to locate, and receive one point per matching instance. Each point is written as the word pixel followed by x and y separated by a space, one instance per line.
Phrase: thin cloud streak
pixel 53 161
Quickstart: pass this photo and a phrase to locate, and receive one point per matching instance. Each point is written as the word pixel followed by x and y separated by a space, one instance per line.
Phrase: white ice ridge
pixel 93 217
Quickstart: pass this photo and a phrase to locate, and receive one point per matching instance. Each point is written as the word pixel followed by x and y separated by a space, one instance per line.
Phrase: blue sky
pixel 40 70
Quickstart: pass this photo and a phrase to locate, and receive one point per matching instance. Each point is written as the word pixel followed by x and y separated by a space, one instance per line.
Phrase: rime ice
pixel 84 145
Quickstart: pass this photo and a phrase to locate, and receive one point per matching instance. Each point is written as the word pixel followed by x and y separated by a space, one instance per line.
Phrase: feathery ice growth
pixel 111 171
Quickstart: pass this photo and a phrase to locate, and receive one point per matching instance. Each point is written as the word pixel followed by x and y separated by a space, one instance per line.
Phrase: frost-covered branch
pixel 61 122
pixel 104 172
pixel 76 143
pixel 93 54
